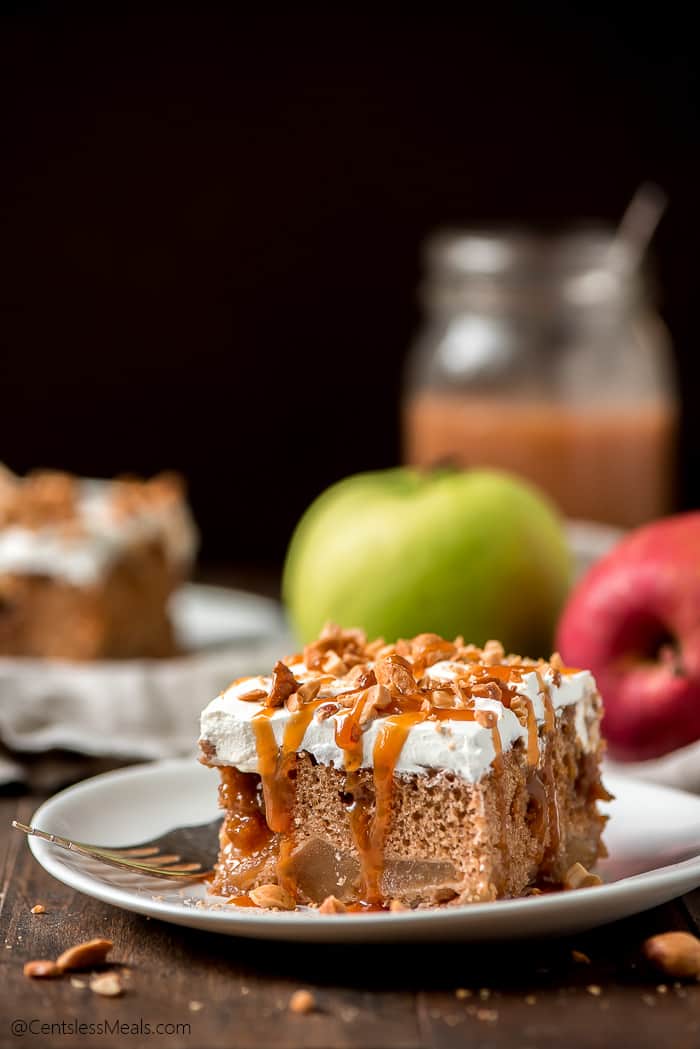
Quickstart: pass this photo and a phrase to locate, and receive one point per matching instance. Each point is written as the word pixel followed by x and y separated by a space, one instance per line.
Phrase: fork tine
pixel 143 851
pixel 112 858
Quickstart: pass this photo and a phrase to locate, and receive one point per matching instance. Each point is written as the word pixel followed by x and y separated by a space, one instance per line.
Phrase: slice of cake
pixel 423 772
pixel 87 567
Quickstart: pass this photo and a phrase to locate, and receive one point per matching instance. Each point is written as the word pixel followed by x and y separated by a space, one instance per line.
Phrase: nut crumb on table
pixel 107 984
pixel 41 968
pixel 302 1001
pixel 84 955
pixel 675 953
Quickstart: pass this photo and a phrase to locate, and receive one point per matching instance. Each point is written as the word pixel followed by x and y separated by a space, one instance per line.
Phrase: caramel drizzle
pixel 370 835
pixel 543 788
pixel 348 735
pixel 533 745
pixel 276 763
pixel 276 767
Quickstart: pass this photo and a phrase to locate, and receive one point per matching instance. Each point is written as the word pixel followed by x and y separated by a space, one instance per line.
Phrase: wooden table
pixel 235 993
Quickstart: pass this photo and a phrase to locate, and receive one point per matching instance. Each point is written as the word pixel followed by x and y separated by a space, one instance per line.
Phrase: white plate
pixel 651 829
pixel 209 616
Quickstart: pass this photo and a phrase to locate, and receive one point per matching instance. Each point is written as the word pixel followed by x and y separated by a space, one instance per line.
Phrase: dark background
pixel 211 222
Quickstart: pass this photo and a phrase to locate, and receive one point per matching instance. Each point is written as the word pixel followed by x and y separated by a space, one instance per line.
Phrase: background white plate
pixel 653 838
pixel 210 616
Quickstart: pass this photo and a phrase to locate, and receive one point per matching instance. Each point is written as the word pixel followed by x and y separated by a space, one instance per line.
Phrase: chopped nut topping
pixel 272 897
pixel 396 905
pixel 428 649
pixel 492 653
pixel 41 969
pixel 308 691
pixel 344 643
pixel 394 672
pixel 45 497
pixel 577 877
pixel 376 698
pixel 84 955
pixel 38 908
pixel 442 698
pixel 580 958
pixel 302 1002
pixel 256 696
pixel 333 664
pixel 468 653
pixel 487 690
pixel 283 684
pixel 521 708
pixel 675 953
pixel 327 711
pixel 556 662
pixel 362 676
pixel 332 905
pixel 486 718
pixel 373 649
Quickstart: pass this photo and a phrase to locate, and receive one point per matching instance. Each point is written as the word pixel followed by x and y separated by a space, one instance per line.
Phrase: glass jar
pixel 544 356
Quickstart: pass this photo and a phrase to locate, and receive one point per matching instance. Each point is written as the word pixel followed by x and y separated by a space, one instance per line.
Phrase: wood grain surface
pixel 234 993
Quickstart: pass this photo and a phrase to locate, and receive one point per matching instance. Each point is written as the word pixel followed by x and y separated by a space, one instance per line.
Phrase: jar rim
pixel 580 265
pixel 510 250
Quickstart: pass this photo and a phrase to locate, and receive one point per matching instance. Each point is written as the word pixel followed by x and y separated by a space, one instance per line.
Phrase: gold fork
pixel 163 857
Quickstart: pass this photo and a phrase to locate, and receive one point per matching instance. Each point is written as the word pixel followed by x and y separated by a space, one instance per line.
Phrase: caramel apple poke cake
pixel 370 775
pixel 87 567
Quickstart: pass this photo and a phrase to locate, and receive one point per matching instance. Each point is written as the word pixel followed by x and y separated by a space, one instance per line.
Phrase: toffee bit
pixel 283 684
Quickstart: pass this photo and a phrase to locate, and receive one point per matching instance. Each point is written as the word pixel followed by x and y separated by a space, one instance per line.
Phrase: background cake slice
pixel 87 567
pixel 423 772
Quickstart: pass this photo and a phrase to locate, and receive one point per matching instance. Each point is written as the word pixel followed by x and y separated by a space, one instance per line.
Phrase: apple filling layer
pixel 425 772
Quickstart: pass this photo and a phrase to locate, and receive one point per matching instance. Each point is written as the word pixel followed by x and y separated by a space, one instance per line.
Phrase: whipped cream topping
pixel 82 556
pixel 463 747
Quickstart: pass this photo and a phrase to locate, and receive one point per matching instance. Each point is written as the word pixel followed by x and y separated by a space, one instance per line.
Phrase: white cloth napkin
pixel 139 709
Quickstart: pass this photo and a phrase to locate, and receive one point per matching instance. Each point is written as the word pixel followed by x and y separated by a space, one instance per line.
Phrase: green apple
pixel 400 552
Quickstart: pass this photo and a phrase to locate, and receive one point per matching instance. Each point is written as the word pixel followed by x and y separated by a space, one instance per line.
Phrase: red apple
pixel 634 621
